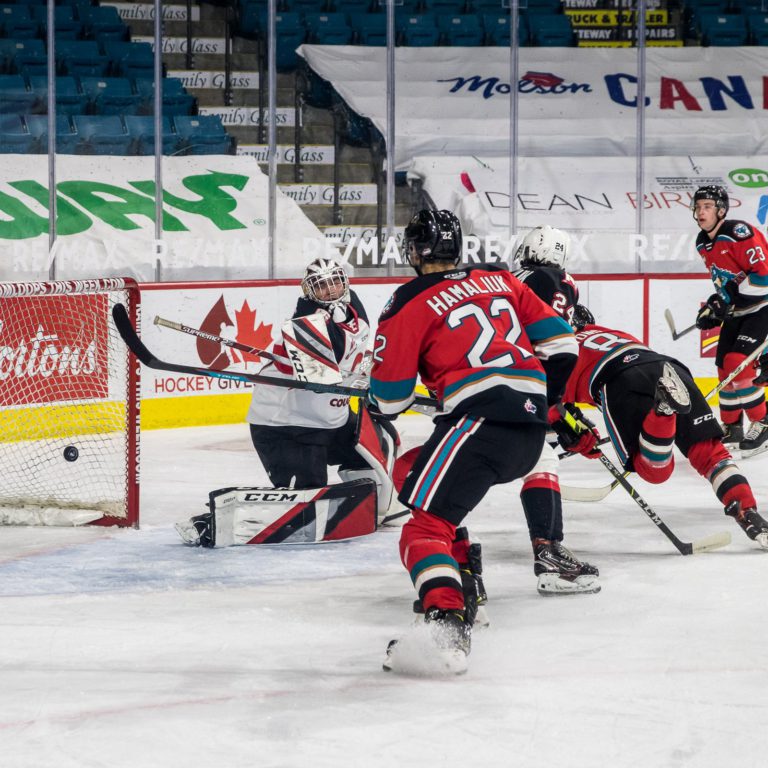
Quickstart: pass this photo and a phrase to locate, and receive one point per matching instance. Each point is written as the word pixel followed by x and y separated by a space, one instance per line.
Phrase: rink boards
pixel 251 312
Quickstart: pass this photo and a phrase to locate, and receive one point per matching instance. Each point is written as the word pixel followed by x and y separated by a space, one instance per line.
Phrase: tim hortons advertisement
pixel 455 101
pixel 47 355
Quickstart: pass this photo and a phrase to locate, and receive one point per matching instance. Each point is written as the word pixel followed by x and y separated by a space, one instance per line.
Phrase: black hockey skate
pixel 750 522
pixel 560 572
pixel 756 439
pixel 450 641
pixel 475 596
pixel 671 394
pixel 733 433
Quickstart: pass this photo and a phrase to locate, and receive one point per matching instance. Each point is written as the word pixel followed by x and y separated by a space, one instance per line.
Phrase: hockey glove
pixel 712 314
pixel 375 413
pixel 575 432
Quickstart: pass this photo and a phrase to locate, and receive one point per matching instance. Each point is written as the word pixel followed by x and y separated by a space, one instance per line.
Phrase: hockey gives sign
pixel 50 352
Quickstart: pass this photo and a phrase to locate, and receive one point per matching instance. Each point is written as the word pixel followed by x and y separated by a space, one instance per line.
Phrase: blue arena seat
pixel 65 23
pixel 418 30
pixel 757 23
pixel 81 57
pixel 203 135
pixel 110 95
pixel 15 96
pixel 141 130
pixel 176 100
pixel 129 59
pixel 447 7
pixel 465 29
pixel 101 135
pixel 66 138
pixel 721 29
pixel 70 100
pixel 24 56
pixel 328 28
pixel 546 30
pixel 369 28
pixel 355 6
pixel 497 29
pixel 16 22
pixel 14 136
pixel 103 22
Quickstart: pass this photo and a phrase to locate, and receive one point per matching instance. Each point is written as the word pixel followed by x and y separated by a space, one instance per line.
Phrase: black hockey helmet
pixel 581 317
pixel 434 235
pixel 712 192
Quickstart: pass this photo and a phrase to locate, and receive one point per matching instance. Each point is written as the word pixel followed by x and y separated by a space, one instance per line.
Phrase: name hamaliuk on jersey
pixel 478 338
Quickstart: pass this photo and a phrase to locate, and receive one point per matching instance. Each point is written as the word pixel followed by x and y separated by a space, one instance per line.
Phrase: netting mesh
pixel 66 412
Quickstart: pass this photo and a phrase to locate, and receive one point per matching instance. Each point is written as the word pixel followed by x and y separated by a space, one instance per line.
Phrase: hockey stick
pixel 579 493
pixel 715 541
pixel 163 323
pixel 134 343
pixel 568 454
pixel 750 358
pixel 671 323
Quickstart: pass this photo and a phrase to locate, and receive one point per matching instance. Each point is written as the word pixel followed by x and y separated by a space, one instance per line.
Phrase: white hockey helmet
pixel 325 282
pixel 545 245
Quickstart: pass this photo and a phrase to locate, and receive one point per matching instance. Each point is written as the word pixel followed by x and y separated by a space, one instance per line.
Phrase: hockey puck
pixel 71 453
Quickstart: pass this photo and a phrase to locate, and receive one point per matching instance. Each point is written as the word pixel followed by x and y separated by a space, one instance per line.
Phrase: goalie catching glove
pixel 575 432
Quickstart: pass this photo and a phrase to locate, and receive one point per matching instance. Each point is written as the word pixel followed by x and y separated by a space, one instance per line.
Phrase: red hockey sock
pixel 654 460
pixel 425 550
pixel 711 459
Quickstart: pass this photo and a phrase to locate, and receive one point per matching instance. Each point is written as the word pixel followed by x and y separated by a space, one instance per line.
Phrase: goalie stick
pixel 671 323
pixel 134 343
pixel 715 541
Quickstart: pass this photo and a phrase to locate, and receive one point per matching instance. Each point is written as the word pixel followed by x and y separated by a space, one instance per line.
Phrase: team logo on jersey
pixel 388 305
pixel 629 358
pixel 741 230
pixel 529 406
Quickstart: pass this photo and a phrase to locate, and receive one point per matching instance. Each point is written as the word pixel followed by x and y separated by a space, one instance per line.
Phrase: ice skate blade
pixel 762 540
pixel 746 453
pixel 553 584
pixel 415 655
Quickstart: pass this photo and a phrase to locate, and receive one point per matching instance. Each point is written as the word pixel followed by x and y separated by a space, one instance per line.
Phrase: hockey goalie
pixel 299 434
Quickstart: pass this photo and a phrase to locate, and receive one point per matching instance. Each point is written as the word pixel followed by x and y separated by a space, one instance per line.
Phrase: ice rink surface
pixel 123 648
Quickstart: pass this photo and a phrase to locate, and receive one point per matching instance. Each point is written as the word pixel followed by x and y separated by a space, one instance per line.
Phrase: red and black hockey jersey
pixel 603 354
pixel 738 253
pixel 479 338
pixel 553 286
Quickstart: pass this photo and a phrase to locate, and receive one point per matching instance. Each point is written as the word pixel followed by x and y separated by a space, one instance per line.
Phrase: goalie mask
pixel 432 236
pixel 325 282
pixel 712 192
pixel 545 246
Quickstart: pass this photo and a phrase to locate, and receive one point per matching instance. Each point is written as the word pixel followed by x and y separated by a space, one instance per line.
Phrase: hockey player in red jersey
pixel 496 357
pixel 650 403
pixel 736 256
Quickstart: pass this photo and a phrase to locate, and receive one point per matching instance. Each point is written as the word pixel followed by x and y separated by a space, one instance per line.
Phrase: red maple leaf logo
pixel 248 333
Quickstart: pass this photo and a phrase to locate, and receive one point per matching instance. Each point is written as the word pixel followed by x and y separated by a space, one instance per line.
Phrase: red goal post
pixel 69 404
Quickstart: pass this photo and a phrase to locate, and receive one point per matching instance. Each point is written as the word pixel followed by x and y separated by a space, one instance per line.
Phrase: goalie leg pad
pixel 285 515
pixel 378 444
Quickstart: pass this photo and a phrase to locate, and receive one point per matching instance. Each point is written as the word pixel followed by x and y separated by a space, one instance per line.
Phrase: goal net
pixel 69 405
